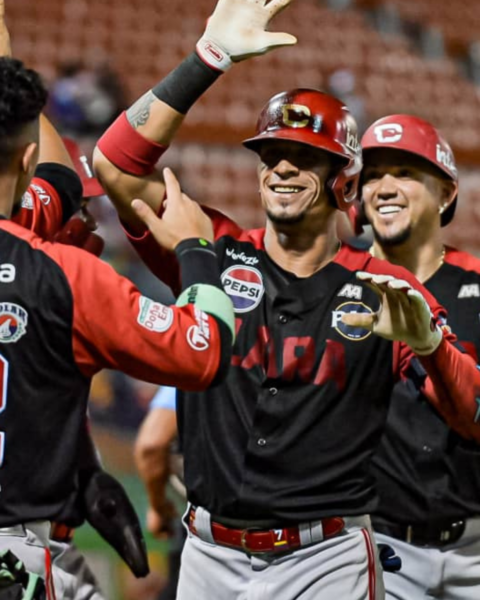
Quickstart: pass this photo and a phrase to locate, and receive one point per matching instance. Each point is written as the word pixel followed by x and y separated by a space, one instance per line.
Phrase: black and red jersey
pixel 425 472
pixel 289 434
pixel 64 315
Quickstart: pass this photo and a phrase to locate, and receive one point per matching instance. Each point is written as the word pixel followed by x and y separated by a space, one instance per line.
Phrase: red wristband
pixel 128 150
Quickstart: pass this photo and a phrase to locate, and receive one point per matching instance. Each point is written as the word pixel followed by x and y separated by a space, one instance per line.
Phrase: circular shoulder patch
pixel 356 334
pixel 244 286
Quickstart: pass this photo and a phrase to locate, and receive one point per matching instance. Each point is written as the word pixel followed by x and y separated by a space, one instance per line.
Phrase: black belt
pixel 435 535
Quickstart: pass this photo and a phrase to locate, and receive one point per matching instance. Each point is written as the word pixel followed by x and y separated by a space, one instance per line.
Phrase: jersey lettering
pixel 350 290
pixel 248 260
pixel 7 273
pixel 298 360
pixel 471 290
pixel 332 367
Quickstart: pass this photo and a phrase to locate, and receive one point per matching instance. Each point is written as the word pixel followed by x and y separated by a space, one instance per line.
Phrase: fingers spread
pixel 399 284
pixel 365 320
pixel 276 6
pixel 273 40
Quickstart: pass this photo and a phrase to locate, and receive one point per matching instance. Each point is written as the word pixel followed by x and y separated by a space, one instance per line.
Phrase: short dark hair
pixel 22 99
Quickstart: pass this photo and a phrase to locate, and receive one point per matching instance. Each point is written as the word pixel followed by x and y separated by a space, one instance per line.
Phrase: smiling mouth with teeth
pixel 285 189
pixel 389 210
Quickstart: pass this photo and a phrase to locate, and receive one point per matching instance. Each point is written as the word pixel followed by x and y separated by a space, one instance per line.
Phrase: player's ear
pixel 448 194
pixel 30 157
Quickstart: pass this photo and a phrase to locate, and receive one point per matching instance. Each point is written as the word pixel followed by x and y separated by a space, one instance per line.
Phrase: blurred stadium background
pixel 380 56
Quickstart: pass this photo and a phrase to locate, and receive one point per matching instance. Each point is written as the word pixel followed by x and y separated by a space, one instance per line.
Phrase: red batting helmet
pixel 91 185
pixel 414 135
pixel 318 120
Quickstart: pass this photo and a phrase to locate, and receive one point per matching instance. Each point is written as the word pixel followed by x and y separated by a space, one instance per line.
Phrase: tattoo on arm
pixel 139 113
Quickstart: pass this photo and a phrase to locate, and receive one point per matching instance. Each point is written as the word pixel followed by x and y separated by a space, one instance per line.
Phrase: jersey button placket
pixel 282 319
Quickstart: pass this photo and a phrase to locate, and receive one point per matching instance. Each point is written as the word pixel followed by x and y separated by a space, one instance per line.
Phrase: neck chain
pixel 440 263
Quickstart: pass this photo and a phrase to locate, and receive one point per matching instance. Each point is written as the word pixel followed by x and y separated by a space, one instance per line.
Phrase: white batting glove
pixel 403 315
pixel 237 30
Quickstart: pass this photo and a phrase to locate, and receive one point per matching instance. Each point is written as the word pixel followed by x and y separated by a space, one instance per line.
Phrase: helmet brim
pixel 300 136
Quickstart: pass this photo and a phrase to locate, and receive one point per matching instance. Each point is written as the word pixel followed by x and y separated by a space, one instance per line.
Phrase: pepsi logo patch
pixel 244 286
pixel 13 322
pixel 154 315
pixel 356 334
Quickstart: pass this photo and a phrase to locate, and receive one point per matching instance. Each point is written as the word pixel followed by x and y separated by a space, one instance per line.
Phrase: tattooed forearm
pixel 139 112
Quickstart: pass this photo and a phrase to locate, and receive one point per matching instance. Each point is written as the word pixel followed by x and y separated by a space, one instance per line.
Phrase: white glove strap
pixel 213 55
pixel 431 345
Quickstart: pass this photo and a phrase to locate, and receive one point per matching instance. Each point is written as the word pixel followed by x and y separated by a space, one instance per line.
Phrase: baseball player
pixel 428 478
pixel 158 464
pixel 50 200
pixel 64 315
pixel 276 456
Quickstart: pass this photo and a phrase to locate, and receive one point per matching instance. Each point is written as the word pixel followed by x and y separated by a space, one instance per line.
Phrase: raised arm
pixel 187 345
pixel 55 194
pixel 126 154
pixel 452 378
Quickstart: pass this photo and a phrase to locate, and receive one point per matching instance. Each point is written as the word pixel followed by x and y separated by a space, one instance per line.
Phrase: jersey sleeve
pixel 115 327
pixel 163 264
pixel 52 197
pixel 452 382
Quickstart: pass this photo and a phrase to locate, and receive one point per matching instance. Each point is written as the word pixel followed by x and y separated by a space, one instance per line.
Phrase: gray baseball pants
pixel 344 567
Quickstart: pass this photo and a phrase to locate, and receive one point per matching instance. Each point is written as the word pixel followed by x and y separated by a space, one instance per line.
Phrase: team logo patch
pixel 356 334
pixel 388 133
pixel 42 194
pixel 198 336
pixel 13 322
pixel 154 315
pixel 469 290
pixel 244 286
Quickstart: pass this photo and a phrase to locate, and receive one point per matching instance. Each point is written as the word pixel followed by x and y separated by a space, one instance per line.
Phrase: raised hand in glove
pixel 403 315
pixel 109 511
pixel 237 30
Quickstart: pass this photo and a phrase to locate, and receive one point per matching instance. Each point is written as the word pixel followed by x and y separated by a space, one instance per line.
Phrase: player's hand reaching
pixel 182 218
pixel 160 520
pixel 237 30
pixel 403 314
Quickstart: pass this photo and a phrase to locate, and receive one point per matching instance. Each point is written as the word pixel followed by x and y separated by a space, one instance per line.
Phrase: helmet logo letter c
pixel 296 115
pixel 388 133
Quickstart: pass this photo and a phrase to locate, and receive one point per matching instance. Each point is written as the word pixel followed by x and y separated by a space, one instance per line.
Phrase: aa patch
pixel 356 334
pixel 154 315
pixel 13 322
pixel 244 286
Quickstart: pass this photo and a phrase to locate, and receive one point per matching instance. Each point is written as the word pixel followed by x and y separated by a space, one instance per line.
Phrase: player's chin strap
pixel 16 583
pixel 109 511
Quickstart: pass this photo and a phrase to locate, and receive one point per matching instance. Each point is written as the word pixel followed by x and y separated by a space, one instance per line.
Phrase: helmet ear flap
pixel 356 216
